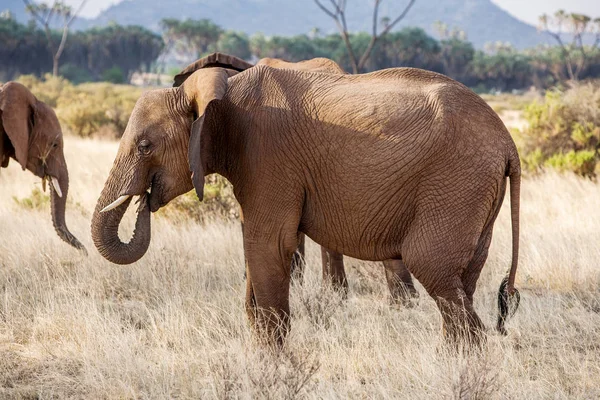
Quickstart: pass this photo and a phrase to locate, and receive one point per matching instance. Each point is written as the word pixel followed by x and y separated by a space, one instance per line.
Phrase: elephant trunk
pixel 105 228
pixel 59 189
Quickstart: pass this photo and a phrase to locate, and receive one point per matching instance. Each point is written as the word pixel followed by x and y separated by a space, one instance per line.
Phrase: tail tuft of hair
pixel 508 303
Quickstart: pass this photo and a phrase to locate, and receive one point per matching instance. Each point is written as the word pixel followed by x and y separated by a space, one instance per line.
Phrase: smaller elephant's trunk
pixel 59 189
pixel 105 228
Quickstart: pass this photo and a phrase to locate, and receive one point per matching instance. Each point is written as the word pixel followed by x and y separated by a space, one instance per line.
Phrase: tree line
pixel 110 53
pixel 114 52
pixel 498 66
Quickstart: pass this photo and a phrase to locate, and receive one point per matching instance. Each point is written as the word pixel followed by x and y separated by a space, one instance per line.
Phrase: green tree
pixel 575 55
pixel 195 36
pixel 501 66
pixel 294 48
pixel 410 47
pixel 338 13
pixel 128 48
pixel 234 43
pixel 45 15
pixel 23 50
pixel 456 53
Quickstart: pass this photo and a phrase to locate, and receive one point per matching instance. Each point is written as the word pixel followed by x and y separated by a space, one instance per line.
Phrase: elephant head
pixel 31 134
pixel 160 156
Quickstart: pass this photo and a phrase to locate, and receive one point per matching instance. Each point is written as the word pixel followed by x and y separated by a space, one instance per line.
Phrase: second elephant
pixel 31 134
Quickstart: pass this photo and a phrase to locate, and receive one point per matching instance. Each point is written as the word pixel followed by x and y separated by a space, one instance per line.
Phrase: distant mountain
pixel 482 20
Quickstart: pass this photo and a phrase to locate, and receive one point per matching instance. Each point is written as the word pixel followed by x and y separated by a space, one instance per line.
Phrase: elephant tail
pixel 508 295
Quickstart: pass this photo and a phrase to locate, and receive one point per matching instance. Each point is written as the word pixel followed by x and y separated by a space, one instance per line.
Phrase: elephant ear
pixel 17 105
pixel 201 89
pixel 214 60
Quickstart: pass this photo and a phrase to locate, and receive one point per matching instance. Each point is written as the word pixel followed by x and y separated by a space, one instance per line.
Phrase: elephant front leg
pixel 400 283
pixel 333 270
pixel 268 288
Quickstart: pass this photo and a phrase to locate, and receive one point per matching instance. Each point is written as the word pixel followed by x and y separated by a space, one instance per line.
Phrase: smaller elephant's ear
pixel 17 104
pixel 214 60
pixel 202 88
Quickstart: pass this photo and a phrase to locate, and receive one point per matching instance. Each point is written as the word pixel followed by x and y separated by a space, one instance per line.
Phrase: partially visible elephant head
pixel 30 133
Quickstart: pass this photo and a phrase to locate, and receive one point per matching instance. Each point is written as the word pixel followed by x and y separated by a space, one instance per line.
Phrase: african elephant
pixel 398 278
pixel 396 163
pixel 30 133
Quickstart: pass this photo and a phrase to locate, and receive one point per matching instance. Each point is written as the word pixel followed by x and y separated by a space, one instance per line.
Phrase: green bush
pixel 582 162
pixel 88 108
pixel 49 89
pixel 38 200
pixel 81 112
pixel 111 104
pixel 564 131
pixel 114 75
pixel 75 74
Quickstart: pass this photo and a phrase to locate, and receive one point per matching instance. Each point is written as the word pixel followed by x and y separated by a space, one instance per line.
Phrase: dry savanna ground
pixel 173 325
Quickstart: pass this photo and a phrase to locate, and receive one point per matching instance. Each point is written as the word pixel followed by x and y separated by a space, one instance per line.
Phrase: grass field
pixel 173 325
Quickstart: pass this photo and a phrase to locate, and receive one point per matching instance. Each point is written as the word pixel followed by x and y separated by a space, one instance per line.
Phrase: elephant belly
pixel 370 227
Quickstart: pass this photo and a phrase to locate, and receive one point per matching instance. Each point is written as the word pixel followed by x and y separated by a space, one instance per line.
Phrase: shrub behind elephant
pixel 30 133
pixel 397 163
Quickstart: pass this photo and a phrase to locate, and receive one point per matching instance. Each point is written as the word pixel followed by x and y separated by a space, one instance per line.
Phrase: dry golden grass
pixel 173 325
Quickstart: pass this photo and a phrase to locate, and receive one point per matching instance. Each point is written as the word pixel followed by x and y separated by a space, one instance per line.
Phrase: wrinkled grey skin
pixel 31 134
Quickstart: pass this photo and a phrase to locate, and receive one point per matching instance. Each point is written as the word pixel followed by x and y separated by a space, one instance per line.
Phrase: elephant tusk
pixel 44 184
pixel 116 203
pixel 56 186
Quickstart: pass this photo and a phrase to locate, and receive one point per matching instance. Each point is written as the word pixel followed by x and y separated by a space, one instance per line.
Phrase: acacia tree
pixel 191 36
pixel 456 51
pixel 337 11
pixel 575 54
pixel 45 15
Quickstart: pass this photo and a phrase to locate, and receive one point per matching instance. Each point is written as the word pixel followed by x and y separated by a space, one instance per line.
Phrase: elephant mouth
pixel 53 184
pixel 148 197
pixel 143 199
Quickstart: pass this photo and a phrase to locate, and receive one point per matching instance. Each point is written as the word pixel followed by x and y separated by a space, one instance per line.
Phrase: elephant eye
pixel 54 145
pixel 144 146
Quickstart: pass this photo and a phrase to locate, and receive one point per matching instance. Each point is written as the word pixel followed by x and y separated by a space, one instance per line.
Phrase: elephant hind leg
pixel 460 321
pixel 400 283
pixel 471 273
pixel 438 260
pixel 333 270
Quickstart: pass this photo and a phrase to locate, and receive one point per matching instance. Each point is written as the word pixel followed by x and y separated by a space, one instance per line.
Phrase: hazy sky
pixel 527 10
